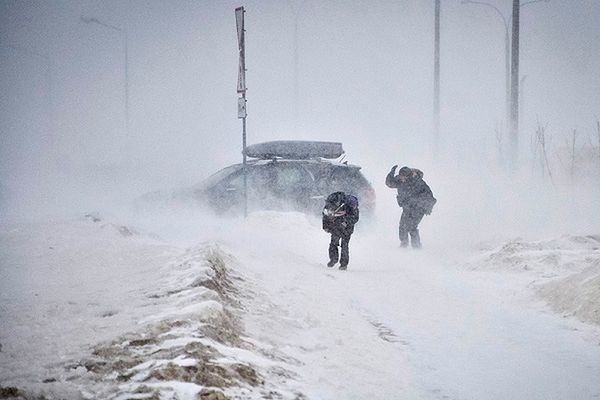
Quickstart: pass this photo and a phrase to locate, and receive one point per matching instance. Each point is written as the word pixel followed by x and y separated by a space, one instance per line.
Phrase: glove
pixel 393 170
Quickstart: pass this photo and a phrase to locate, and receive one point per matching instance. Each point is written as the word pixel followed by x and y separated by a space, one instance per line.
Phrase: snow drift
pixel 246 309
pixel 566 271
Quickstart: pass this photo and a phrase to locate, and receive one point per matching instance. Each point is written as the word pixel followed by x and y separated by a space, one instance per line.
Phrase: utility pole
pixel 122 31
pixel 507 66
pixel 506 23
pixel 436 77
pixel 514 87
pixel 295 61
pixel 296 7
pixel 241 89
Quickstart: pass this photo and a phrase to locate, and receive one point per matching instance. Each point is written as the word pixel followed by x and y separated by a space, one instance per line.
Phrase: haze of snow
pixel 501 303
pixel 93 308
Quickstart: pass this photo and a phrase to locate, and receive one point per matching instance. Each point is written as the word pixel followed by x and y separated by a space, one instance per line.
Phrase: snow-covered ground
pixel 98 308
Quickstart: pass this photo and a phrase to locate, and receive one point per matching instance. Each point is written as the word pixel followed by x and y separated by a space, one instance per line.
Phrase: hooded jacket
pixel 414 193
pixel 340 213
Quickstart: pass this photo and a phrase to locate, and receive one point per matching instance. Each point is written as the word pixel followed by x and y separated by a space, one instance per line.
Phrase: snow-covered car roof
pixel 295 149
pixel 315 161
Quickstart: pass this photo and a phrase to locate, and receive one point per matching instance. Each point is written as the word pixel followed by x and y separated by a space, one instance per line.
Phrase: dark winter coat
pixel 414 193
pixel 347 206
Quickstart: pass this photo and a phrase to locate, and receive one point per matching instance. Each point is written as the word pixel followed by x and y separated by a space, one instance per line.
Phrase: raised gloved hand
pixel 393 170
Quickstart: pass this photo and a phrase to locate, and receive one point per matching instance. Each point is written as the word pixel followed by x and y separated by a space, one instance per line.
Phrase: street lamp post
pixel 296 8
pixel 506 23
pixel 514 85
pixel 94 20
pixel 295 61
pixel 511 66
pixel 436 76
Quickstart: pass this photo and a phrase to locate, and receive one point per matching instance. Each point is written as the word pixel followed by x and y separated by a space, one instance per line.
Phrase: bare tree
pixel 534 153
pixel 499 133
pixel 573 155
pixel 540 134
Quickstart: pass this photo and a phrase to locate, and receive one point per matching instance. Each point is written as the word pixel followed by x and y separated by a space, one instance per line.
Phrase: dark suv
pixel 285 175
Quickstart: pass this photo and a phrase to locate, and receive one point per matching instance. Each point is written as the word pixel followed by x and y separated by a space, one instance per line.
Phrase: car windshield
pixel 218 176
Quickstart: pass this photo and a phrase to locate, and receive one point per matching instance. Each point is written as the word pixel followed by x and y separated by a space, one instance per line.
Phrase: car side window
pixel 291 178
pixel 346 180
pixel 236 182
pixel 281 180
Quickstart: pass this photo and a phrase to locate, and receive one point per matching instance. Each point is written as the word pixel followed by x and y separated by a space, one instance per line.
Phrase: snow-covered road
pixel 399 323
pixel 411 324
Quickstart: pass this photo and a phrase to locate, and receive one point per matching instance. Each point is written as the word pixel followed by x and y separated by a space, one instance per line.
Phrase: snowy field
pixel 115 115
pixel 187 308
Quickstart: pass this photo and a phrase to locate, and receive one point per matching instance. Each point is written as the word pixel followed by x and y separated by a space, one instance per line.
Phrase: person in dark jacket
pixel 415 198
pixel 340 214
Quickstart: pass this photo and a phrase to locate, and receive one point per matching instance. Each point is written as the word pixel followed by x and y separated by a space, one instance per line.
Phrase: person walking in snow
pixel 415 198
pixel 340 214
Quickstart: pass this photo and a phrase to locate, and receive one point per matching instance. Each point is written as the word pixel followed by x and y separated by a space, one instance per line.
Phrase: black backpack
pixel 352 202
pixel 339 201
pixel 334 202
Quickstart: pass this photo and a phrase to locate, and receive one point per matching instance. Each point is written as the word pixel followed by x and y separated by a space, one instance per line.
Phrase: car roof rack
pixel 295 150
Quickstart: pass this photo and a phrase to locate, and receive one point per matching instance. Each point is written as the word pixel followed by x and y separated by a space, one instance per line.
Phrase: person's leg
pixel 403 228
pixel 415 219
pixel 333 250
pixel 345 256
pixel 415 239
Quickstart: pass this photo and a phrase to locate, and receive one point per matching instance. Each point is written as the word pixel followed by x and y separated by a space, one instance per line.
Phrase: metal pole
pixel 507 77
pixel 94 20
pixel 241 31
pixel 511 71
pixel 436 77
pixel 296 90
pixel 244 160
pixel 296 8
pixel 514 87
pixel 506 56
pixel 126 84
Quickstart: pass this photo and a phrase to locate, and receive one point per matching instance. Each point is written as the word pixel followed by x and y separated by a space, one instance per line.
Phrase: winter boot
pixel 415 239
pixel 331 263
pixel 343 267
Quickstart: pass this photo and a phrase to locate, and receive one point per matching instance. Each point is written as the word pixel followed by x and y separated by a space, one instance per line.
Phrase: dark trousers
pixel 336 238
pixel 409 223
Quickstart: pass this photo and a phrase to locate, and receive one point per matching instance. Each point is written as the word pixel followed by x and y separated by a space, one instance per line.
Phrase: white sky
pixel 364 78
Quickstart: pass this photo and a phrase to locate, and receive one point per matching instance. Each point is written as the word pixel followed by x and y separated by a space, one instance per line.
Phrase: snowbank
pixel 92 309
pixel 247 310
pixel 567 271
pixel 576 295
